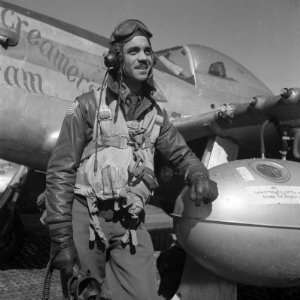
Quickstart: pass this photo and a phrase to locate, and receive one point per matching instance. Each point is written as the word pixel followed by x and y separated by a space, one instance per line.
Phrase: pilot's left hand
pixel 203 189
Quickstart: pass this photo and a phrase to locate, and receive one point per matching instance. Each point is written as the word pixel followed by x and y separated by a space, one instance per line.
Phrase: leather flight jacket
pixel 77 132
pixel 120 157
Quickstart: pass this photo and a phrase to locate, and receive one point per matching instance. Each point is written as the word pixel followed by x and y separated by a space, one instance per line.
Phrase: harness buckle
pixel 123 142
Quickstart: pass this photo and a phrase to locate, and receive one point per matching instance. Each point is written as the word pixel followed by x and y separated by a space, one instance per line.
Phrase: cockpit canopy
pixel 199 64
pixel 175 61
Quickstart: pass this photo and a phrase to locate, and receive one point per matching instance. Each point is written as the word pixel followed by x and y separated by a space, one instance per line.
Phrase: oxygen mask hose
pixel 119 95
pixel 47 283
pixel 103 86
pixel 47 280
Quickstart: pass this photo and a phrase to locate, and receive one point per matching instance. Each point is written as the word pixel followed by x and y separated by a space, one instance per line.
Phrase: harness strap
pixel 116 141
pixel 139 133
pixel 149 179
pixel 140 172
pixel 120 142
pixel 95 227
pixel 140 141
pixel 130 237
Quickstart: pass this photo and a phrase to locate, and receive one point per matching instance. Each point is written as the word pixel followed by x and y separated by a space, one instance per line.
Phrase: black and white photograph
pixel 149 150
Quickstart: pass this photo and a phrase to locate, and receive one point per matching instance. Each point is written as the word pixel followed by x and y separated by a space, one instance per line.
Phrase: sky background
pixel 263 35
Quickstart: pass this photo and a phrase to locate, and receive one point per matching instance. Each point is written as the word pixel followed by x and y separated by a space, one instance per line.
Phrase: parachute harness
pixel 139 176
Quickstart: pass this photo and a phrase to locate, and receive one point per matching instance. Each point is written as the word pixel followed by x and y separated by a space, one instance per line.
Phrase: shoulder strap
pixel 103 111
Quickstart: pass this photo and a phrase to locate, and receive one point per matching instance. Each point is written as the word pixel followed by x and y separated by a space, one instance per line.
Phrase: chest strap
pixel 120 142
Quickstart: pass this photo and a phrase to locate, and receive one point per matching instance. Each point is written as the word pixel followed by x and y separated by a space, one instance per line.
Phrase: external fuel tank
pixel 251 233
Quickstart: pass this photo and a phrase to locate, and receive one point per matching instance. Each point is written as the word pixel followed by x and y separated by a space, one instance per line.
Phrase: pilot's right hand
pixel 64 257
pixel 63 254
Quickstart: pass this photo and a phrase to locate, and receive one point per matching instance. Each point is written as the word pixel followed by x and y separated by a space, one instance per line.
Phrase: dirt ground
pixel 22 277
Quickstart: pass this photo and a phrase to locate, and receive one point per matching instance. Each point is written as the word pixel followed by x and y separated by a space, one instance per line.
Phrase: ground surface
pixel 22 277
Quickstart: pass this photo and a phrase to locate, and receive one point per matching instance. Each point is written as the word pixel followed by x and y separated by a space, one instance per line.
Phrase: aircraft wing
pixel 234 119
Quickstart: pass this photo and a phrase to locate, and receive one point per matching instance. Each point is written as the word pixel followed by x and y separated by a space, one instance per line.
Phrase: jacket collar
pixel 146 99
pixel 113 86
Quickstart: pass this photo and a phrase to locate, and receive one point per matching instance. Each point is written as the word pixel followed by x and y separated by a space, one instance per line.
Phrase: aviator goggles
pixel 127 29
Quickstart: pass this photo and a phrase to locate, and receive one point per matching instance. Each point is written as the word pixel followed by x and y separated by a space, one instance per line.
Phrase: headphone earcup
pixel 111 60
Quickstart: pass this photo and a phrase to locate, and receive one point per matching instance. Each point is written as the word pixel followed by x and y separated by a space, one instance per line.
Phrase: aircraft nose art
pixel 251 233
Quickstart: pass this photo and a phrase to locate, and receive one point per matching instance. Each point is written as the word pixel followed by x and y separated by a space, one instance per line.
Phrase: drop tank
pixel 251 233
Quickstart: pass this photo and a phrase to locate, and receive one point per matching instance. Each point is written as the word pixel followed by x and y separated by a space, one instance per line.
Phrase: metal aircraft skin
pixel 53 63
pixel 45 64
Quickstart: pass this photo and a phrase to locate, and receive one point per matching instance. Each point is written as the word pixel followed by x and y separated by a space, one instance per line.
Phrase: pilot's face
pixel 138 58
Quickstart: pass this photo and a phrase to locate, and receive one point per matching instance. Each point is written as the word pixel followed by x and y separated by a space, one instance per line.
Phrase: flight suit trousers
pixel 125 276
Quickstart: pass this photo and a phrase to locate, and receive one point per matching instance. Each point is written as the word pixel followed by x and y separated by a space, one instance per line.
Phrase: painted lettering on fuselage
pixel 21 78
pixel 11 20
pixel 48 50
pixel 58 59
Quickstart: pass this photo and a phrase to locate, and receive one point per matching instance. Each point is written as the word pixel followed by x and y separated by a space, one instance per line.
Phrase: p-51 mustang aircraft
pixel 248 137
